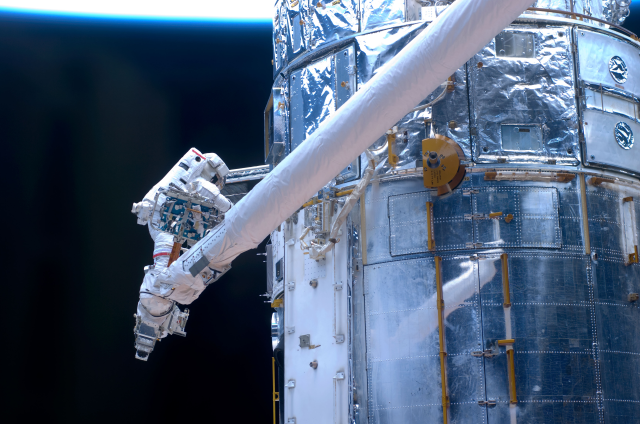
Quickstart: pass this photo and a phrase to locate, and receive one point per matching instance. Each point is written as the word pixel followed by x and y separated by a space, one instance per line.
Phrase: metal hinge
pixel 486 353
pixel 339 338
pixel 470 192
pixel 489 402
pixel 337 286
pixel 477 257
pixel 291 330
pixel 339 376
pixel 474 245
pixel 291 285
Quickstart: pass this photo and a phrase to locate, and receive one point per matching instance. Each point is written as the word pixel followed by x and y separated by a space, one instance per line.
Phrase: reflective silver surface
pixel 521 104
pixel 402 341
pixel 521 91
pixel 377 13
pixel 332 20
pixel 595 52
pixel 602 146
pixel 310 87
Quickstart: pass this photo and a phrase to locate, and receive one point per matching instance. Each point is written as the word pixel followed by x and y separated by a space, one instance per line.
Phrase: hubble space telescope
pixel 452 198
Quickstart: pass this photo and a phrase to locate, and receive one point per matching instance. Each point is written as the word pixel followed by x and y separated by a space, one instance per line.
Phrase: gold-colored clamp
pixel 505 280
pixel 507 218
pixel 596 181
pixel 443 352
pixel 276 303
pixel 511 368
pixel 391 144
pixel 431 242
pixel 633 257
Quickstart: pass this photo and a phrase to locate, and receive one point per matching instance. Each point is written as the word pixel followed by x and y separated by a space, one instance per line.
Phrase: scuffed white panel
pixel 320 395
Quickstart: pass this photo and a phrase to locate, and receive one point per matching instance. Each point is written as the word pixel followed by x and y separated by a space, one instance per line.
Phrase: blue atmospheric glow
pixel 256 11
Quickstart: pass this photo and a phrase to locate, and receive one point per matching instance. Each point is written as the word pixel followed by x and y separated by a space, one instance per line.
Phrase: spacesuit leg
pixel 155 314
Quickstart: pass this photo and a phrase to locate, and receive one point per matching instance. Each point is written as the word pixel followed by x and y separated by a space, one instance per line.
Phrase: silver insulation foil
pixel 513 102
pixel 313 98
pixel 332 20
pixel 522 97
pixel 302 25
pixel 297 23
pixel 377 13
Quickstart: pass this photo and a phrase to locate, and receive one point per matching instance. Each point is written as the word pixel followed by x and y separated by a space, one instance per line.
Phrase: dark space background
pixel 93 112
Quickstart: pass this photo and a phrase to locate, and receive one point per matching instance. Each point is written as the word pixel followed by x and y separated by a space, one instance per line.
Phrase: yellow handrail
pixel 443 353
pixel 505 280
pixel 431 243
pixel 276 395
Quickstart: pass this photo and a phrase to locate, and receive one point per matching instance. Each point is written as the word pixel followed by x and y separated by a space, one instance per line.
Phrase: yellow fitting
pixel 276 303
pixel 633 257
pixel 495 214
pixel 508 218
pixel 627 199
pixel 336 2
pixel 310 202
pixel 393 158
pixel 344 193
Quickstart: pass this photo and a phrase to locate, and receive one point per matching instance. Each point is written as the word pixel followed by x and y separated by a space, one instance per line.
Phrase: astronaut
pixel 200 176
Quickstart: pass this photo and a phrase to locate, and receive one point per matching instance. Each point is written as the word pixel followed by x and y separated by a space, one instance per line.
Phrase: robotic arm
pixel 181 209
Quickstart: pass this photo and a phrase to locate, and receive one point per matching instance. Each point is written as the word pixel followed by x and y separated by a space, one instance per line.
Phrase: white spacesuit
pixel 177 209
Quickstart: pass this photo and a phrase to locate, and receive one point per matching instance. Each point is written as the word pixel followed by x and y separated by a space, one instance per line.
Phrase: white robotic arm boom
pixel 182 207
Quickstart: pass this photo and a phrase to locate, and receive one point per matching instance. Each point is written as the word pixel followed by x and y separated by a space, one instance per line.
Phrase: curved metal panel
pixel 408 222
pixel 402 341
pixel 552 323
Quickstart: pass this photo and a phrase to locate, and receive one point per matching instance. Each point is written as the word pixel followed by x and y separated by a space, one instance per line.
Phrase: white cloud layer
pixel 194 9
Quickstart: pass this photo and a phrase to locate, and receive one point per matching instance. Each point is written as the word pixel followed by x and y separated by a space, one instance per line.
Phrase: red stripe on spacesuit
pixel 196 152
pixel 162 254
